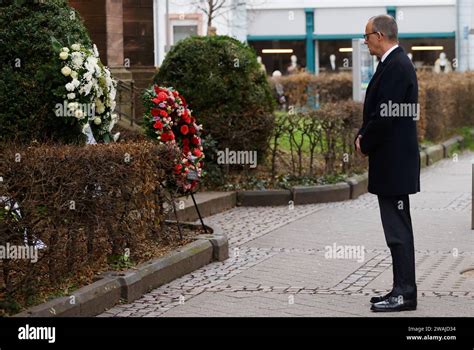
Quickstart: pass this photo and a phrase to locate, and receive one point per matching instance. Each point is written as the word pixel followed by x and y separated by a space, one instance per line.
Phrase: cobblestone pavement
pixel 280 262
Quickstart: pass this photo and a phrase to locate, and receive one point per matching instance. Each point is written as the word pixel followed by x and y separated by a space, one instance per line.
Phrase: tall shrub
pixel 225 88
pixel 28 73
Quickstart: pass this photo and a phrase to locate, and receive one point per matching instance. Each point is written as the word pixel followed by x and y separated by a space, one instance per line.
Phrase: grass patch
pixel 468 135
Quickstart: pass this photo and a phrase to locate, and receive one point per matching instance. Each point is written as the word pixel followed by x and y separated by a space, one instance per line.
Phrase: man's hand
pixel 357 144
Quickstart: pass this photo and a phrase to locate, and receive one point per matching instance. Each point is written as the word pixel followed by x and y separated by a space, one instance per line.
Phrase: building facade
pixel 136 34
pixel 313 31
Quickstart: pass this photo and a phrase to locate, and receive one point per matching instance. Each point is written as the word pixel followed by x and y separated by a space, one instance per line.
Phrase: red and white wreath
pixel 169 120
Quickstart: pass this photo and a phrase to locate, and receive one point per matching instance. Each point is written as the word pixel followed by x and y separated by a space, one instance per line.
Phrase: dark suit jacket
pixel 391 141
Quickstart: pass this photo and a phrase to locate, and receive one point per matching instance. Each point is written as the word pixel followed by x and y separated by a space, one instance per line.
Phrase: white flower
pixel 91 63
pixel 65 49
pixel 66 71
pixel 73 106
pixel 7 208
pixel 88 88
pixel 79 114
pixel 116 137
pixel 76 47
pixel 112 105
pixel 97 120
pixel 96 52
pixel 76 83
pixel 88 76
pixel 112 92
pixel 71 96
pixel 100 92
pixel 77 59
pixel 63 55
pixel 74 74
pixel 100 108
pixel 70 87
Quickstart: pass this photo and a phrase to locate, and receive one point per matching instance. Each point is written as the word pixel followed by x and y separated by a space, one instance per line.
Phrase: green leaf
pixel 57 46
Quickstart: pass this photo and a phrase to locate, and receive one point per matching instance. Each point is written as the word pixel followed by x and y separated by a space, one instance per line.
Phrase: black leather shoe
pixel 380 298
pixel 394 304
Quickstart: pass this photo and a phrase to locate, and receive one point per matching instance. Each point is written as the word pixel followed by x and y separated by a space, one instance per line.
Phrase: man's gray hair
pixel 385 24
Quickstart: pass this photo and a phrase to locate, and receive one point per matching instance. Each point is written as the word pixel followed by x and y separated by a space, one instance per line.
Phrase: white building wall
pixel 286 17
pixel 435 19
pixel 345 20
pixel 276 22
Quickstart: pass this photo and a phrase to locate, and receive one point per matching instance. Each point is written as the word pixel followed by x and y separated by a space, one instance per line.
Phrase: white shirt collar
pixel 388 52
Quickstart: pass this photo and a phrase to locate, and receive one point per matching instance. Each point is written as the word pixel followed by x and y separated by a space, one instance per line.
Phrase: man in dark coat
pixel 388 137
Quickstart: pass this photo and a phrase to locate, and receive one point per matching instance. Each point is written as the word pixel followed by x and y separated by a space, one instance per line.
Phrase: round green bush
pixel 225 89
pixel 28 73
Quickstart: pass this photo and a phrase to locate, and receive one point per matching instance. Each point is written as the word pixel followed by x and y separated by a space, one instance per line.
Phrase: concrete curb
pixel 209 203
pixel 264 198
pixel 321 194
pixel 451 145
pixel 359 184
pixel 434 154
pixel 130 285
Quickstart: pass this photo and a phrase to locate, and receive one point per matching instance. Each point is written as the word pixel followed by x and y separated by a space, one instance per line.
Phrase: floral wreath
pixel 89 91
pixel 169 120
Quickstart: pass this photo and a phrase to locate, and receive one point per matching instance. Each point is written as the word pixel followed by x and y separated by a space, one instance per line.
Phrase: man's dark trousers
pixel 396 222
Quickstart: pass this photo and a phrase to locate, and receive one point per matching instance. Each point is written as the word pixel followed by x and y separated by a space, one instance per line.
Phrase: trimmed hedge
pixel 299 89
pixel 29 69
pixel 446 100
pixel 86 204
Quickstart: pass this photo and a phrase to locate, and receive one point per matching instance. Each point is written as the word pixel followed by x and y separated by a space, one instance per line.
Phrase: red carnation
pixel 192 130
pixel 178 168
pixel 186 142
pixel 162 96
pixel 197 152
pixel 184 129
pixel 158 89
pixel 155 112
pixel 163 113
pixel 195 140
pixel 185 149
pixel 158 125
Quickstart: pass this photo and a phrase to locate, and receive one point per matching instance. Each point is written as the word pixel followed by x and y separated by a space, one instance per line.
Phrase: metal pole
pixel 197 209
pixel 472 198
pixel 167 26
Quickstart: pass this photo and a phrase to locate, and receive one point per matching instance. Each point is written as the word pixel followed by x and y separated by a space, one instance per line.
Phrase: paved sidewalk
pixel 279 263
